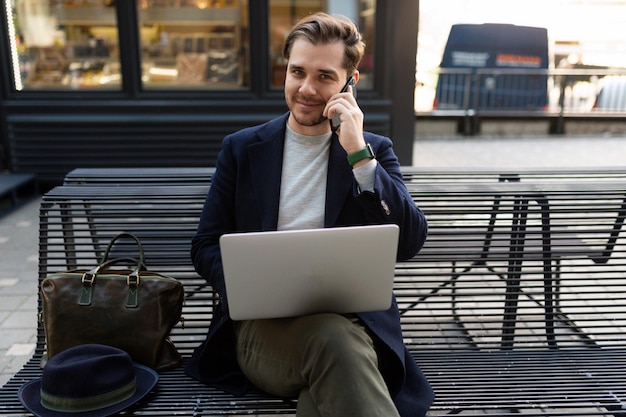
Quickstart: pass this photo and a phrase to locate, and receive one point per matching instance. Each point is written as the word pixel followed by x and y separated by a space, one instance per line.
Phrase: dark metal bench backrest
pixel 459 293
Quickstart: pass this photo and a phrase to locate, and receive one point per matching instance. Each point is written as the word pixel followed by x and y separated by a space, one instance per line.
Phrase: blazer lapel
pixel 339 182
pixel 266 169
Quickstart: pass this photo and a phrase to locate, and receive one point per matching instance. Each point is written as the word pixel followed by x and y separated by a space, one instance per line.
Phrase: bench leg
pixel 617 228
pixel 68 235
pixel 43 236
pixel 549 285
pixel 513 286
pixel 513 282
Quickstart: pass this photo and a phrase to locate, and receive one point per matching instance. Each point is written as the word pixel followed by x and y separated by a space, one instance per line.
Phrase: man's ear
pixel 355 75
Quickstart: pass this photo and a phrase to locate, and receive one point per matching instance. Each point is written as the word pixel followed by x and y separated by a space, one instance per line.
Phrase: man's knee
pixel 340 338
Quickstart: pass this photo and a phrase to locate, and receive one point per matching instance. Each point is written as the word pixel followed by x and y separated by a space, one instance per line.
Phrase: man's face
pixel 314 74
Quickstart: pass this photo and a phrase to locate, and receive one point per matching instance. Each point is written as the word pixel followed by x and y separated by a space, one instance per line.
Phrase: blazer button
pixel 385 207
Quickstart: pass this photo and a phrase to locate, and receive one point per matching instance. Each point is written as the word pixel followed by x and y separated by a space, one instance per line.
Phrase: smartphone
pixel 336 120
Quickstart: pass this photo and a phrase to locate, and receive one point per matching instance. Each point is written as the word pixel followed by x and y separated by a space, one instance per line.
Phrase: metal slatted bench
pixel 139 176
pixel 490 174
pixel 200 175
pixel 519 325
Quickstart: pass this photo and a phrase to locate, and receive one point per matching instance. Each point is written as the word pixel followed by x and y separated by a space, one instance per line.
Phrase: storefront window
pixel 63 44
pixel 194 43
pixel 183 44
pixel 284 13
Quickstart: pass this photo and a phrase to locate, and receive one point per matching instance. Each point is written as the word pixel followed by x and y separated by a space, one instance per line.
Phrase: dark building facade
pixel 101 83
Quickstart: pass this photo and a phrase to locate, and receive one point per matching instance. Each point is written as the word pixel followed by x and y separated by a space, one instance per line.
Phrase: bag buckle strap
pixel 86 290
pixel 132 280
pixel 88 278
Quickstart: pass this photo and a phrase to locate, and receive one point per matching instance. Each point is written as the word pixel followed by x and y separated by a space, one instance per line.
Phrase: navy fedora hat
pixel 89 380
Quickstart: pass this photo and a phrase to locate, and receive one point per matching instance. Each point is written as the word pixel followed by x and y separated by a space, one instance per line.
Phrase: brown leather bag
pixel 131 309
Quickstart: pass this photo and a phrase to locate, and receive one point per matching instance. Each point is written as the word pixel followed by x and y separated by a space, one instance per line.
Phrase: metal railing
pixel 529 90
pixel 473 94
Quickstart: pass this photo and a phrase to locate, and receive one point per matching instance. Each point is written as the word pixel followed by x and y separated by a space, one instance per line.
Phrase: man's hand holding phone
pixel 343 111
pixel 335 121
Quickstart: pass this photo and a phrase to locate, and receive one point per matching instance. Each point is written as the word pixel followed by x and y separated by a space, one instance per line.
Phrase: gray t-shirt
pixel 303 182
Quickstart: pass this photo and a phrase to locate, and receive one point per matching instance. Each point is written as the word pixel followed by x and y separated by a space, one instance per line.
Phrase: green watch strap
pixel 365 153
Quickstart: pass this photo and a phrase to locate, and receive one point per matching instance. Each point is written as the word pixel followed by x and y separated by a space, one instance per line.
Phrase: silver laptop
pixel 297 272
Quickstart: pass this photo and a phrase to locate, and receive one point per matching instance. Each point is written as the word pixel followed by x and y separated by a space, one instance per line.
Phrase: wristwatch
pixel 365 153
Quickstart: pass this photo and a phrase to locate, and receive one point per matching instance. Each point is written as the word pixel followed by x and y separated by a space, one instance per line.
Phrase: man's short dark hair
pixel 321 29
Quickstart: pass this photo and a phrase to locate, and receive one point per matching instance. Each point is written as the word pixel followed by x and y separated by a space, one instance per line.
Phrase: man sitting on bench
pixel 298 172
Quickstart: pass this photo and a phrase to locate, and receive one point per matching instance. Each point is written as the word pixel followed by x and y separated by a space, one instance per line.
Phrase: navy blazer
pixel 244 197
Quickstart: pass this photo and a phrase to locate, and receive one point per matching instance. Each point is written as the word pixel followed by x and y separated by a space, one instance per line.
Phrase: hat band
pixel 96 402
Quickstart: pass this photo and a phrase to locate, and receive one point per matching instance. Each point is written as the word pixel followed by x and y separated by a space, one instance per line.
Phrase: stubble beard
pixel 306 119
pixel 309 121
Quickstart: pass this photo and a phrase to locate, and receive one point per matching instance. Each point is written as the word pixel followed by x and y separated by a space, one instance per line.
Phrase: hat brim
pixel 30 396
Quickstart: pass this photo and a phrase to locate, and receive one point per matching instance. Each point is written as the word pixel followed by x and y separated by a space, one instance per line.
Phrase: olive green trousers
pixel 328 361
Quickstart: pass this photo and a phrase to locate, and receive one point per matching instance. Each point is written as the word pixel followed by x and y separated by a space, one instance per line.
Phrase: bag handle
pixel 132 280
pixel 122 235
pixel 90 276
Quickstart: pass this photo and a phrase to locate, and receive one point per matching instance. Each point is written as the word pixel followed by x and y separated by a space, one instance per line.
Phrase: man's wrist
pixel 365 153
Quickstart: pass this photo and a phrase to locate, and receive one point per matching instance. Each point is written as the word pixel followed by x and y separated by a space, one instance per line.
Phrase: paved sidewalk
pixel 19 228
pixel 18 287
pixel 520 152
